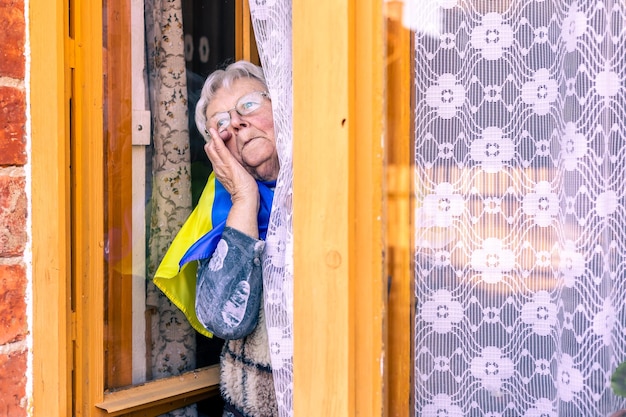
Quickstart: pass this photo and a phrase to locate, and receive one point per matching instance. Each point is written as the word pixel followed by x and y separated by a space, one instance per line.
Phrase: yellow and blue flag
pixel 197 239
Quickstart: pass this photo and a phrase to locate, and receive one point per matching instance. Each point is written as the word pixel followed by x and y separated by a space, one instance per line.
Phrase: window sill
pixel 163 395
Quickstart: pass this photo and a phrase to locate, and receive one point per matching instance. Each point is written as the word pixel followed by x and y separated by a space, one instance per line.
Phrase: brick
pixel 16 4
pixel 12 216
pixel 12 126
pixel 13 326
pixel 12 39
pixel 13 385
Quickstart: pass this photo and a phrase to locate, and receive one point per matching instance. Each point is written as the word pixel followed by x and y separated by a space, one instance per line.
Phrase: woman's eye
pixel 222 123
pixel 249 106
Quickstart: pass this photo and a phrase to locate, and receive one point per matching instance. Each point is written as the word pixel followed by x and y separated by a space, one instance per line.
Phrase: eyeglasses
pixel 245 106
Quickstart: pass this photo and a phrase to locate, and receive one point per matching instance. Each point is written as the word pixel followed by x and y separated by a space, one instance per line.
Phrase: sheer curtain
pixel 520 225
pixel 271 20
pixel 519 237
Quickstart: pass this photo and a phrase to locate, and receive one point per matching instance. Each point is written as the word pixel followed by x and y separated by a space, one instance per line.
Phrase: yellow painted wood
pixel 370 289
pixel 152 396
pixel 399 132
pixel 249 47
pixel 160 409
pixel 323 208
pixel 50 223
pixel 118 195
pixel 245 43
pixel 88 205
pixel 339 289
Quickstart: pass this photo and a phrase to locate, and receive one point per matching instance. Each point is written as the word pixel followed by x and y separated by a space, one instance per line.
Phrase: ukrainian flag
pixel 197 239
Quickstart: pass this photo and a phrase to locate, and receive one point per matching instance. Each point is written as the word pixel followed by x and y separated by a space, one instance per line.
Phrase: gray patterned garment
pixel 232 309
pixel 229 286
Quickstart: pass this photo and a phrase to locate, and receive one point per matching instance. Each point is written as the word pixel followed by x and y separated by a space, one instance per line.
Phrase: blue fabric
pixel 203 248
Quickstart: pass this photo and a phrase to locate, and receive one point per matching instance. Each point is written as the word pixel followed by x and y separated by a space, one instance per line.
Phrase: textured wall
pixel 13 211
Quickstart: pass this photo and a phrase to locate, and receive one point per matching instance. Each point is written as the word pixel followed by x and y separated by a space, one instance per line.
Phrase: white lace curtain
pixel 520 153
pixel 271 20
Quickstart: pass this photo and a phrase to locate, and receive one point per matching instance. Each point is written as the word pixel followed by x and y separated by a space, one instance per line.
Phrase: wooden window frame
pixel 340 285
pixel 399 192
pixel 49 202
pixel 67 225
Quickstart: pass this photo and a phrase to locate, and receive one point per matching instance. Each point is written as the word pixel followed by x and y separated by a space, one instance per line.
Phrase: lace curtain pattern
pixel 519 151
pixel 520 154
pixel 271 21
pixel 173 339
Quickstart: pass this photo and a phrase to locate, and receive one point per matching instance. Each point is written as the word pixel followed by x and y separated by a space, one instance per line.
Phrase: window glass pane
pixel 208 46
pixel 209 30
pixel 150 97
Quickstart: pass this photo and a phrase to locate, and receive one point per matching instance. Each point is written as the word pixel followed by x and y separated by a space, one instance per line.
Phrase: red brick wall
pixel 13 211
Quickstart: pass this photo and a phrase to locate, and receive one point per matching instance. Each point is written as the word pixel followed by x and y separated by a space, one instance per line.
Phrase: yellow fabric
pixel 180 285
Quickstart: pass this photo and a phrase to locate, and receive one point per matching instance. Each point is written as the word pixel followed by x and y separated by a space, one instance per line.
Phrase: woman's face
pixel 249 138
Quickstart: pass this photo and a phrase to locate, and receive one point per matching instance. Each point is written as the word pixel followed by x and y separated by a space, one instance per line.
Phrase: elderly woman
pixel 235 114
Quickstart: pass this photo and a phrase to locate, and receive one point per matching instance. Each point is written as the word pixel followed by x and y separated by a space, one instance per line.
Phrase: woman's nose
pixel 237 121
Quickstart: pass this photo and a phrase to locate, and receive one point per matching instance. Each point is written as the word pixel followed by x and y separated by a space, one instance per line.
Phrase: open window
pixel 124 336
pixel 87 260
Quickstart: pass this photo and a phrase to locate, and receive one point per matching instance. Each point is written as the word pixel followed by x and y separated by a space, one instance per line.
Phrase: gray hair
pixel 224 78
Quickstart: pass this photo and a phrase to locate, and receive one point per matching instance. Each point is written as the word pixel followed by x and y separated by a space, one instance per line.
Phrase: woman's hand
pixel 238 182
